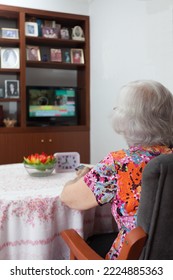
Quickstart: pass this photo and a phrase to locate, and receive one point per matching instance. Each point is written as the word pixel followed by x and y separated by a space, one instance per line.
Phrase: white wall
pixel 66 6
pixel 129 40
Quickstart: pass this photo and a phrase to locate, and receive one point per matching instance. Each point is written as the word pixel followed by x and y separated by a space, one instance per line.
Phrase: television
pixel 51 105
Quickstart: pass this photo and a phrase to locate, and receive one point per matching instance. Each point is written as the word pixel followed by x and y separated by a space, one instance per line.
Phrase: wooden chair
pixel 80 250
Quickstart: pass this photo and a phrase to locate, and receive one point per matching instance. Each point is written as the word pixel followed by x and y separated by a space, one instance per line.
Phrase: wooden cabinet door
pixel 13 147
pixel 73 141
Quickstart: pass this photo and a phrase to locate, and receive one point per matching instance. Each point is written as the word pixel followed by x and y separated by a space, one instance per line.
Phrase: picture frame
pixel 56 55
pixel 10 58
pixel 31 29
pixel 58 28
pixel 53 24
pixel 49 23
pixel 1 115
pixel 2 93
pixel 33 53
pixel 64 33
pixel 11 88
pixel 49 32
pixel 77 56
pixel 77 33
pixel 10 33
pixel 66 56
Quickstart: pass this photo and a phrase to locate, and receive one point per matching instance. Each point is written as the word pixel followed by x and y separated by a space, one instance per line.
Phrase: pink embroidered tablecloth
pixel 32 215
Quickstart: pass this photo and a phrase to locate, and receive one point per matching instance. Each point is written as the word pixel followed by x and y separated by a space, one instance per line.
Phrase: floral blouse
pixel 117 180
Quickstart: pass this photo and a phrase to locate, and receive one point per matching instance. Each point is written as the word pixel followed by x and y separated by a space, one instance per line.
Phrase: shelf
pixel 9 71
pixel 10 100
pixel 9 42
pixel 8 14
pixel 54 42
pixel 54 65
pixel 30 129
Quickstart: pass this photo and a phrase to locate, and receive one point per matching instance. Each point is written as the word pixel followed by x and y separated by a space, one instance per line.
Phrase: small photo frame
pixel 66 56
pixel 49 23
pixel 10 58
pixel 10 33
pixel 33 53
pixel 56 55
pixel 2 93
pixel 31 29
pixel 77 33
pixel 11 89
pixel 49 32
pixel 64 33
pixel 77 56
pixel 58 28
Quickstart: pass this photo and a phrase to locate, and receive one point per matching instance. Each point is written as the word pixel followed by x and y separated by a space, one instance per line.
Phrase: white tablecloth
pixel 32 215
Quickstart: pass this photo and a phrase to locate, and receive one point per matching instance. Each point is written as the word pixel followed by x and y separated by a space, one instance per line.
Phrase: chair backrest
pixel 155 213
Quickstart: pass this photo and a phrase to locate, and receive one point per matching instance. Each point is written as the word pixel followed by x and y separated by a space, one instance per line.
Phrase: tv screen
pixel 51 105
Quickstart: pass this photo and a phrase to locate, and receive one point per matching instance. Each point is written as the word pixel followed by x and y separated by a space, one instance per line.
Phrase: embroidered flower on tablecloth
pixel 31 210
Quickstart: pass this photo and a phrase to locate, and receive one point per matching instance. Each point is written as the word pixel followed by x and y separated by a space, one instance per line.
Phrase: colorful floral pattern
pixel 117 180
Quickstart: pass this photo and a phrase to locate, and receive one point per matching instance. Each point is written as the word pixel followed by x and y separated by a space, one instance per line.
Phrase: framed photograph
pixel 64 33
pixel 33 53
pixel 31 29
pixel 66 56
pixel 10 33
pixel 1 115
pixel 49 32
pixel 58 28
pixel 2 94
pixel 77 56
pixel 56 55
pixel 49 23
pixel 10 58
pixel 77 33
pixel 11 88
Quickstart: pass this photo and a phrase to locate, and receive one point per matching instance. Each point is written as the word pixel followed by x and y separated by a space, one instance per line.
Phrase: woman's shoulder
pixel 134 154
pixel 128 152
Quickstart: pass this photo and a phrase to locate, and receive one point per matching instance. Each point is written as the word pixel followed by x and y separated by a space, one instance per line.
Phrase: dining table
pixel 32 215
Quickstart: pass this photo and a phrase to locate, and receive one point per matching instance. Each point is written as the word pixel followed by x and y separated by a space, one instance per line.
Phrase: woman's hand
pixel 76 194
pixel 82 171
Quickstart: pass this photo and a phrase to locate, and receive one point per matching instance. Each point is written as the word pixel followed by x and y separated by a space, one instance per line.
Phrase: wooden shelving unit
pixel 21 140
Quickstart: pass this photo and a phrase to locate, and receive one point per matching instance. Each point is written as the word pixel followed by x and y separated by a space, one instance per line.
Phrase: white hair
pixel 145 114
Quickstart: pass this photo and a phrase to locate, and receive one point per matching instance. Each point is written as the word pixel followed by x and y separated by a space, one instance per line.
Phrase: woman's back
pixel 122 170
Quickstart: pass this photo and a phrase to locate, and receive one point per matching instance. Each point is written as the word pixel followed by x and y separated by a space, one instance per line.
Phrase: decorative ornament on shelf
pixel 40 165
pixel 9 122
pixel 77 33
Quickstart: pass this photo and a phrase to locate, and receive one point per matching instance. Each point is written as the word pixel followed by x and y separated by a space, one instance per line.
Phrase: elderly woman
pixel 145 118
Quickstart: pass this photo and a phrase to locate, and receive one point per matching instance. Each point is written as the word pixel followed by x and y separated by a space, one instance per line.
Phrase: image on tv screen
pixel 52 102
